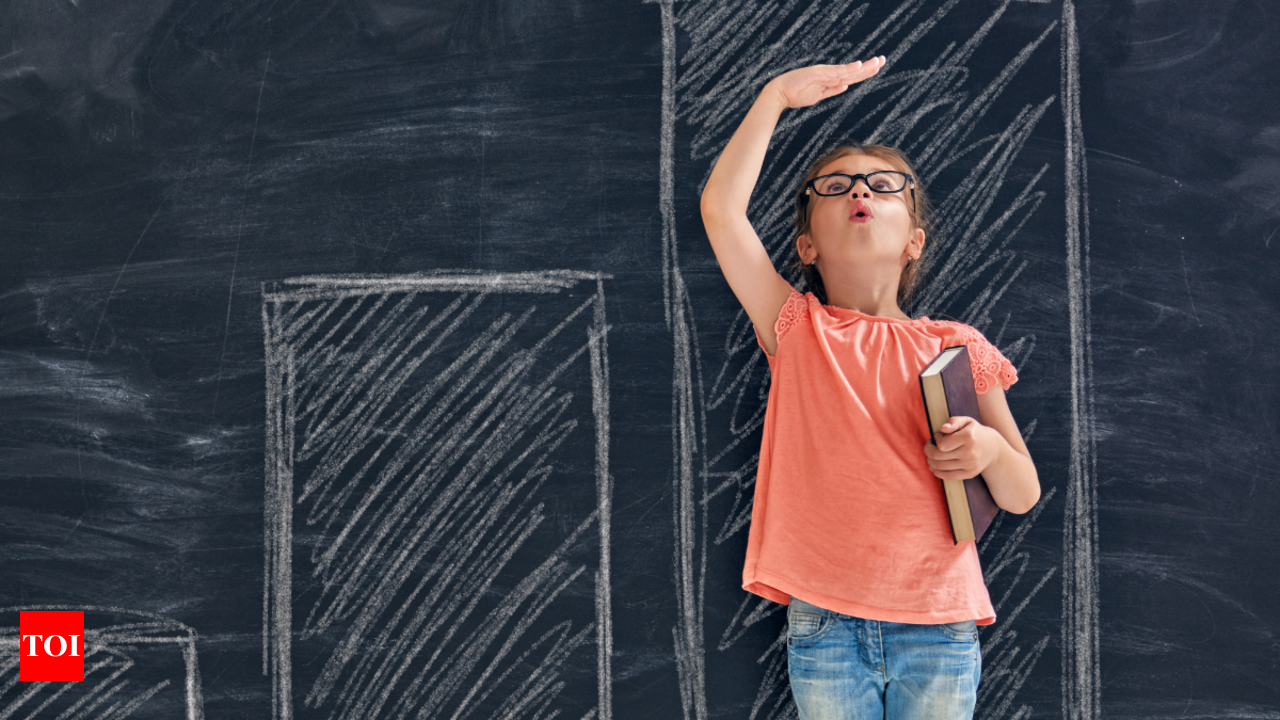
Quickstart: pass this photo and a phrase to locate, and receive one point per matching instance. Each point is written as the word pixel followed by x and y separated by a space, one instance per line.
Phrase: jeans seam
pixel 884 661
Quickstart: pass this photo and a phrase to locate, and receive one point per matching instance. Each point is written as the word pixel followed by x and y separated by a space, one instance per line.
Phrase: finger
pixel 872 66
pixel 948 448
pixel 950 444
pixel 945 442
pixel 947 454
pixel 955 423
pixel 853 68
pixel 825 75
pixel 869 65
pixel 952 472
pixel 846 68
pixel 859 71
pixel 862 75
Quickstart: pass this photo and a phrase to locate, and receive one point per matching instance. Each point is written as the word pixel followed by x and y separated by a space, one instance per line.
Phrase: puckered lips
pixel 861 211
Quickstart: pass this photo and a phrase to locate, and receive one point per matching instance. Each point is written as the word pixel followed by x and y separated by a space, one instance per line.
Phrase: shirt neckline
pixel 849 313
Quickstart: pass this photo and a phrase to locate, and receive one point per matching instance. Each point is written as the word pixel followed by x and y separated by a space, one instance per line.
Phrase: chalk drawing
pixel 1081 681
pixel 424 444
pixel 969 150
pixel 133 661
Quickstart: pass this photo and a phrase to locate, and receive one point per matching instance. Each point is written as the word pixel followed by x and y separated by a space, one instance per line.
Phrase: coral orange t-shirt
pixel 847 514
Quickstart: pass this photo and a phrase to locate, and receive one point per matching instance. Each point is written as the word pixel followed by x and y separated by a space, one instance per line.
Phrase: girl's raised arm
pixel 742 257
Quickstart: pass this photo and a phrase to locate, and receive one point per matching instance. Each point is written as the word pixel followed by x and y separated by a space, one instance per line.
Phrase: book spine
pixel 937 407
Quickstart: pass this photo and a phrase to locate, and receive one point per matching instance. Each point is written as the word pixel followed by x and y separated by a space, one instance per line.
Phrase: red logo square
pixel 52 645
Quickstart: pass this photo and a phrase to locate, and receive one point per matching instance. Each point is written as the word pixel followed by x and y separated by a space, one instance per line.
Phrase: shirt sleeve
pixel 990 366
pixel 794 311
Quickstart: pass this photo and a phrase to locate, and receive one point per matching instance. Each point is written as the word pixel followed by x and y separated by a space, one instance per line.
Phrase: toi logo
pixel 52 645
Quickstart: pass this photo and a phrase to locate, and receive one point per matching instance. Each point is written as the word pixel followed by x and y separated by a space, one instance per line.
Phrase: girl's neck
pixel 877 300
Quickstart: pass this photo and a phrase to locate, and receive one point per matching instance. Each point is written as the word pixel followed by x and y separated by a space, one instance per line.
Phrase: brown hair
pixel 921 217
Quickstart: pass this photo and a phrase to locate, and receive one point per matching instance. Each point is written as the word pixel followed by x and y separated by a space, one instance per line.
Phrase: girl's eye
pixel 881 185
pixel 836 186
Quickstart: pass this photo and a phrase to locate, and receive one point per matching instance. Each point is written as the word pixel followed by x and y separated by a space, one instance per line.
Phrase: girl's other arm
pixel 1011 476
pixel 742 257
pixel 994 450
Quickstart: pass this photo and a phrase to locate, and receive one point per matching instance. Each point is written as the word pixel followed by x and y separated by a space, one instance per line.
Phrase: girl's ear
pixel 916 244
pixel 808 253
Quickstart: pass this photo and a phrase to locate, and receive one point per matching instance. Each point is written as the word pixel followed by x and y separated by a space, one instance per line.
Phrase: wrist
pixel 772 98
pixel 996 445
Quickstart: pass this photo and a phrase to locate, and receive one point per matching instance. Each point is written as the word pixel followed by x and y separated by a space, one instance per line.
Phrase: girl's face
pixel 860 227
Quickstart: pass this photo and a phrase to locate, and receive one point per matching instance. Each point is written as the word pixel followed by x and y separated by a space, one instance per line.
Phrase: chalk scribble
pixel 433 541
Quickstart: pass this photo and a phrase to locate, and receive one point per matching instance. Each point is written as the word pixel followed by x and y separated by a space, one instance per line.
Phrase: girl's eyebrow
pixel 850 172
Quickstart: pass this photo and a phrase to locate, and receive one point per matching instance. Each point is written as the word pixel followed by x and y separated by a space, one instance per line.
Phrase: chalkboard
pixel 368 359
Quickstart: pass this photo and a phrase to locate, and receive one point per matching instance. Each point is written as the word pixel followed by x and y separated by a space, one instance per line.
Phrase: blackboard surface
pixel 366 359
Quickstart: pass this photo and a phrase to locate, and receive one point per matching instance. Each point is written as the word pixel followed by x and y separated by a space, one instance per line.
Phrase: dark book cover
pixel 962 400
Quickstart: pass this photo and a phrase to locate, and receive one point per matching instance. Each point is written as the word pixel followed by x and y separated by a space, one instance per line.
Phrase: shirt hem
pixel 781 591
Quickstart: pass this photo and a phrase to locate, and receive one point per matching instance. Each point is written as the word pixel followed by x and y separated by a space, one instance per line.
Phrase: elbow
pixel 1029 499
pixel 1021 487
pixel 707 208
pixel 1024 508
pixel 715 221
pixel 711 210
pixel 718 210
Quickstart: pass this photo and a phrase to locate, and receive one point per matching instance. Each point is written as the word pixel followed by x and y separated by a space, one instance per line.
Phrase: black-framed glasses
pixel 881 181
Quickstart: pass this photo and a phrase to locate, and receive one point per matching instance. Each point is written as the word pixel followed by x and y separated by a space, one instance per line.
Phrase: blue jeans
pixel 847 668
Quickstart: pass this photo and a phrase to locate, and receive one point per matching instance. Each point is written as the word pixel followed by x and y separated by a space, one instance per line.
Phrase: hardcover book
pixel 948 390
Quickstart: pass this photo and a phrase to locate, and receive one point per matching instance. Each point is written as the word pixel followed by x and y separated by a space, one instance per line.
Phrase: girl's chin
pixel 836 263
pixel 864 247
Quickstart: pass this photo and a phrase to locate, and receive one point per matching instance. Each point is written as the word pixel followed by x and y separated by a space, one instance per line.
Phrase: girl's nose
pixel 860 189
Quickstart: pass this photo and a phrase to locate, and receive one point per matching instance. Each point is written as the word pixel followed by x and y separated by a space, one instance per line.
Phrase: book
pixel 946 384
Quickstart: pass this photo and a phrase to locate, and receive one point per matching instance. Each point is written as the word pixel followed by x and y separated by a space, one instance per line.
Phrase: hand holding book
pixel 964 449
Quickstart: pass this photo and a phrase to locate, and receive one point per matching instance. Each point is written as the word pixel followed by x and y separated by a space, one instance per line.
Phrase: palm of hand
pixel 808 85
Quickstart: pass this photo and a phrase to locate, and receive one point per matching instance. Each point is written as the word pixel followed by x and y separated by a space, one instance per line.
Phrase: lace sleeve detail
pixel 794 311
pixel 989 365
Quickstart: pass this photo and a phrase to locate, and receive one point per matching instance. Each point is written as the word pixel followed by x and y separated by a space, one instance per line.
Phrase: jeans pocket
pixel 806 623
pixel 962 631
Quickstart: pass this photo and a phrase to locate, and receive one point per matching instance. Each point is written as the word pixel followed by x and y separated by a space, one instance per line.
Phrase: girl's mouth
pixel 861 212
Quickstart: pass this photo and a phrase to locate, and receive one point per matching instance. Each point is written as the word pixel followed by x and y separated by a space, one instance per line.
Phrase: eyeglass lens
pixel 883 181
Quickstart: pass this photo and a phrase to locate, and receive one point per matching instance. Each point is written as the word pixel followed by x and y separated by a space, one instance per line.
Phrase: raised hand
pixel 807 86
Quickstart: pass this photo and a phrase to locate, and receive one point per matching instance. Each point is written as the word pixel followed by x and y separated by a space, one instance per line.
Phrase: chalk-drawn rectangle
pixel 136 665
pixel 984 97
pixel 437 496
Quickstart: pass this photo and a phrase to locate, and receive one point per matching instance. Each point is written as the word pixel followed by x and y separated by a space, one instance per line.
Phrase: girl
pixel 850 526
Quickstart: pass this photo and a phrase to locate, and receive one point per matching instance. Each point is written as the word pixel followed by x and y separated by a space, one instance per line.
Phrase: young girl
pixel 850 526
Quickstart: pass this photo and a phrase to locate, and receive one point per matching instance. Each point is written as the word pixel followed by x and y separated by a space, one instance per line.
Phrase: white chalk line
pixel 1081 678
